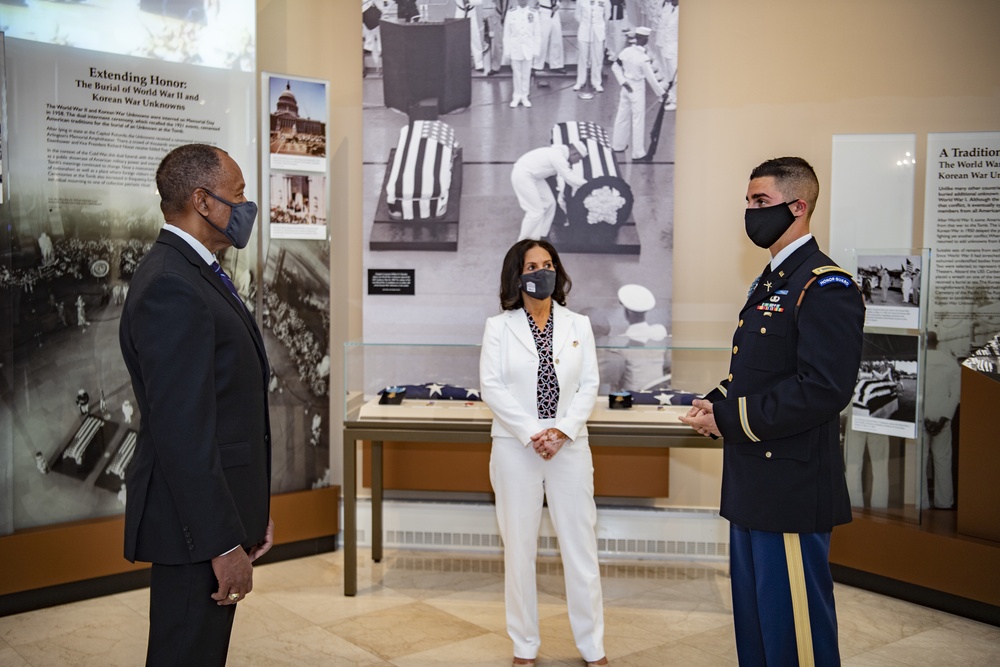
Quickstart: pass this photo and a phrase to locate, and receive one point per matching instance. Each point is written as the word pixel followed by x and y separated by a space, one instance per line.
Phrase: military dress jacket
pixel 794 364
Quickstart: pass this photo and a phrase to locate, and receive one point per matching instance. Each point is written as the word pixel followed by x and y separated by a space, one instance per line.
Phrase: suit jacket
pixel 794 364
pixel 508 373
pixel 199 481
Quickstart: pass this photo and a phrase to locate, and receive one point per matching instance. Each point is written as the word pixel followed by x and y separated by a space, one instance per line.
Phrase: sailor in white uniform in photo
pixel 550 31
pixel 591 17
pixel 633 69
pixel 533 192
pixel 469 9
pixel 644 368
pixel 521 42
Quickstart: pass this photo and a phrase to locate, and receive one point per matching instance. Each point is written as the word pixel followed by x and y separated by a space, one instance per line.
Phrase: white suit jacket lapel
pixel 517 321
pixel 562 327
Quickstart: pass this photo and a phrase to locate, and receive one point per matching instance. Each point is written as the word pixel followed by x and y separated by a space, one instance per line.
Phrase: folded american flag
pixel 420 173
pixel 663 397
pixel 437 392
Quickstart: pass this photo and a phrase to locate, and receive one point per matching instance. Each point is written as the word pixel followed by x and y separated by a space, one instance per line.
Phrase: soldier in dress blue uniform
pixel 795 359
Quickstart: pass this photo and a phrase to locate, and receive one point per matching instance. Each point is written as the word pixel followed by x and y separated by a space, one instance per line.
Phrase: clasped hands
pixel 701 418
pixel 547 443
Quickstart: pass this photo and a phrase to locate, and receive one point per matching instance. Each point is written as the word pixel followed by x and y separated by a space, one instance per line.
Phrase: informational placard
pixel 392 281
pixel 962 227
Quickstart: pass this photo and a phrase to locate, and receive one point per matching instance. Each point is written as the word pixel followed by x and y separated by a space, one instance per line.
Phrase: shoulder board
pixel 820 270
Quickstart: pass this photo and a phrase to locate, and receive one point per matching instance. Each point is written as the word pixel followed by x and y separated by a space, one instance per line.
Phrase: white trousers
pixel 535 198
pixel 475 34
pixel 878 452
pixel 591 56
pixel 617 38
pixel 522 78
pixel 520 479
pixel 630 120
pixel 552 41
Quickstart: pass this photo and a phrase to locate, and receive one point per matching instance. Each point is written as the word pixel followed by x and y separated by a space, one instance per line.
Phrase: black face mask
pixel 766 225
pixel 241 219
pixel 539 284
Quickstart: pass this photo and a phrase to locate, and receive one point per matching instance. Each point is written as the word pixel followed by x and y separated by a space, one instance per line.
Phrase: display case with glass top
pixel 426 382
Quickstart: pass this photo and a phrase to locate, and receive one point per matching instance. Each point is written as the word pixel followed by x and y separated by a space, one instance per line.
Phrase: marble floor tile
pixel 942 646
pixel 303 647
pixel 11 658
pixel 488 650
pixel 672 653
pixel 403 630
pixel 321 605
pixel 718 641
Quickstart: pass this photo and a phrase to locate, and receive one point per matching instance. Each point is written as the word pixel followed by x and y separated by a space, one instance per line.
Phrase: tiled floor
pixel 420 609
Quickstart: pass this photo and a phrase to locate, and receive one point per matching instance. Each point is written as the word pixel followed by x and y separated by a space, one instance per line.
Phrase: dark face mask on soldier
pixel 765 226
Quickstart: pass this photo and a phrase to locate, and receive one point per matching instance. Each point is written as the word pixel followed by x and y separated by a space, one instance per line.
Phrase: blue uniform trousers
pixel 783 607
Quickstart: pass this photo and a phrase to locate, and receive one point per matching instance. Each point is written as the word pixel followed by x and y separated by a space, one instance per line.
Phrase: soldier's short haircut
pixel 183 170
pixel 793 176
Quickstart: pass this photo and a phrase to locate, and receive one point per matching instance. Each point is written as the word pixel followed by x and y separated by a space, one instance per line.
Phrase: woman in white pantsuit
pixel 538 372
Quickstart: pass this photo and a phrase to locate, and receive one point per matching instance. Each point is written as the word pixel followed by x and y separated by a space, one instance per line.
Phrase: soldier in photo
pixel 551 33
pixel 521 42
pixel 591 17
pixel 633 69
pixel 469 9
pixel 529 179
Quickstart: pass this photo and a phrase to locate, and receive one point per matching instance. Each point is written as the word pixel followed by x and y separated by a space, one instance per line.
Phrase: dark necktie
pixel 226 281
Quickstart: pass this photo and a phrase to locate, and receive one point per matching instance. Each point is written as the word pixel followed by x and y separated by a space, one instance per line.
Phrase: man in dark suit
pixel 199 482
pixel 795 359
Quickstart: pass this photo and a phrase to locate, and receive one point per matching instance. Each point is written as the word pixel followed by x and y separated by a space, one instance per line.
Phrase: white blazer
pixel 508 373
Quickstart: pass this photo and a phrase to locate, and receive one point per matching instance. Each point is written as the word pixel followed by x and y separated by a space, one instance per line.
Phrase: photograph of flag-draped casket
pixel 418 206
pixel 84 447
pixel 597 217
pixel 875 397
pixel 886 387
pixel 113 475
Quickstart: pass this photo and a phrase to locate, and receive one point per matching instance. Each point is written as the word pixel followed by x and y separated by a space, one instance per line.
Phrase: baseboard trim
pixel 927 597
pixel 51 596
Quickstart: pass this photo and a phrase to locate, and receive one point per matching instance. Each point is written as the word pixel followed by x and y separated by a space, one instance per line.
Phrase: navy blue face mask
pixel 766 225
pixel 539 284
pixel 241 219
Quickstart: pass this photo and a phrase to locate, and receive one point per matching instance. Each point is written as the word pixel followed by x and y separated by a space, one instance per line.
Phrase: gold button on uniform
pixel 557 361
pixel 730 377
pixel 736 348
pixel 767 454
pixel 741 322
pixel 763 330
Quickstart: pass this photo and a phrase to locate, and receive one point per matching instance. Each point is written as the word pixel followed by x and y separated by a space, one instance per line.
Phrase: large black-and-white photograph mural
pixel 489 121
pixel 92 128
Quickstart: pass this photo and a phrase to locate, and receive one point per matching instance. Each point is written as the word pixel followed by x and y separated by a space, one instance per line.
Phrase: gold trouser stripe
pixel 742 402
pixel 725 392
pixel 800 599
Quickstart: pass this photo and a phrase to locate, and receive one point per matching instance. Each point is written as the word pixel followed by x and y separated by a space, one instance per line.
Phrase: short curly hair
pixel 513 265
pixel 183 170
